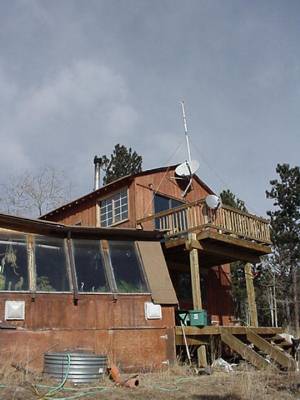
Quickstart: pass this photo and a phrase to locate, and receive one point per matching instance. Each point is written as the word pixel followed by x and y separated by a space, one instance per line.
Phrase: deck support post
pixel 251 295
pixel 195 275
pixel 196 293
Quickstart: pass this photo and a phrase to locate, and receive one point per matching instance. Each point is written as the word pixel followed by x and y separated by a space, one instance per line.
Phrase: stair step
pixel 276 354
pixel 246 352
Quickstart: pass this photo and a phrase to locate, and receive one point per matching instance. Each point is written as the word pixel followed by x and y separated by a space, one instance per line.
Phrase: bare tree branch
pixel 34 195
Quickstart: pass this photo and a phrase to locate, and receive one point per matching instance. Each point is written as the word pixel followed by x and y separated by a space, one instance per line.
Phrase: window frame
pixel 110 196
pixel 105 267
pixel 68 267
pixel 29 274
pixel 169 198
pixel 141 265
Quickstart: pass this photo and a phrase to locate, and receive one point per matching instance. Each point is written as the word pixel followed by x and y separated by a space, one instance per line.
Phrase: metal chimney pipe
pixel 97 163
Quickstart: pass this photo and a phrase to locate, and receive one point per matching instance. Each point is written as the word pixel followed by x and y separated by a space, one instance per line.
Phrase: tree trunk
pixel 295 301
pixel 288 311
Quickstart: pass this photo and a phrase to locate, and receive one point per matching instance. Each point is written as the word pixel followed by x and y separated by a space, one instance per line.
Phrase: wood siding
pixel 163 183
pixel 140 197
pixel 219 298
pixel 84 214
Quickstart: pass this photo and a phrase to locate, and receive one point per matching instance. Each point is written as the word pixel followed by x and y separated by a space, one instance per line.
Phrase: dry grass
pixel 175 383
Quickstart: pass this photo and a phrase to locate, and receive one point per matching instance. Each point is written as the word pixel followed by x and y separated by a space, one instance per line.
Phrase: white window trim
pixel 110 196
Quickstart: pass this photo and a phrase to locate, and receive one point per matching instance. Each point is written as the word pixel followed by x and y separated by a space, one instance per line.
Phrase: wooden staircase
pixel 255 348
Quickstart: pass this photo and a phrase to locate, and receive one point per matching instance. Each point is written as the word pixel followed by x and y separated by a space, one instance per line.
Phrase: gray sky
pixel 77 77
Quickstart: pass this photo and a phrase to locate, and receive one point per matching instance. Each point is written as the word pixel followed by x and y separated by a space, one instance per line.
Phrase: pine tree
pixel 229 199
pixel 122 162
pixel 285 234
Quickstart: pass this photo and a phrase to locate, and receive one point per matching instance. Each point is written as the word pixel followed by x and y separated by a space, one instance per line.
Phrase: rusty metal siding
pixel 98 323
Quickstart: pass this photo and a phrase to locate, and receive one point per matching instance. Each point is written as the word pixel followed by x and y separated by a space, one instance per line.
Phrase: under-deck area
pixel 262 347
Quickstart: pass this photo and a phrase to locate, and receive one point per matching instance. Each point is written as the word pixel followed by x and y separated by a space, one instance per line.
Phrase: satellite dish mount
pixel 187 169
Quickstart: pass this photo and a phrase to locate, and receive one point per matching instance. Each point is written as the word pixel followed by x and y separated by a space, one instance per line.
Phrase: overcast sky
pixel 77 77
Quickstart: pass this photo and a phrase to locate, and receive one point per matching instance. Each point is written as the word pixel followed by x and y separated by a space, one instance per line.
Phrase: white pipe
pixel 186 133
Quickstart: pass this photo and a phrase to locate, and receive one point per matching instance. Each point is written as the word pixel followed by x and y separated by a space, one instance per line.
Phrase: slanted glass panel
pixel 13 262
pixel 126 266
pixel 51 265
pixel 114 209
pixel 89 266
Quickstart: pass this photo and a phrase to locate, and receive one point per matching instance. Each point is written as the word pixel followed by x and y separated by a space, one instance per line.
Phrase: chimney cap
pixel 97 160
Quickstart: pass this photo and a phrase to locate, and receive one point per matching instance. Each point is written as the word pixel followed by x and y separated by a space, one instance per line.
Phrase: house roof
pixel 116 184
pixel 57 229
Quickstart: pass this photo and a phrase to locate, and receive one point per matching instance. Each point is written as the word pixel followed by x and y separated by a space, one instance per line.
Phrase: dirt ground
pixel 176 383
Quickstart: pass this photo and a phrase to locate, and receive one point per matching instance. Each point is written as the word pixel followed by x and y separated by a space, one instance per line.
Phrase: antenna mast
pixel 186 132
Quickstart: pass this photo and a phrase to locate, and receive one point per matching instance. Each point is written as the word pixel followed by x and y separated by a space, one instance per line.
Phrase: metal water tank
pixel 80 367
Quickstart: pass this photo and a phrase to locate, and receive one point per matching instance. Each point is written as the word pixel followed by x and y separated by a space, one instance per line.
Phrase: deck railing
pixel 197 216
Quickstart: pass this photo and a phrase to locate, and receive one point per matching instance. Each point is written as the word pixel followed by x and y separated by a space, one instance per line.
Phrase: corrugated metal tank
pixel 79 367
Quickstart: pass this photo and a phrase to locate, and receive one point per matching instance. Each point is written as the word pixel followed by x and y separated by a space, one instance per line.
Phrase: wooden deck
pixel 220 236
pixel 195 331
pixel 198 217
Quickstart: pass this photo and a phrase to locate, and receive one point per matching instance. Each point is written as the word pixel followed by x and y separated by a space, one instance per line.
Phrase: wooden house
pixel 153 200
pixel 147 239
pixel 198 244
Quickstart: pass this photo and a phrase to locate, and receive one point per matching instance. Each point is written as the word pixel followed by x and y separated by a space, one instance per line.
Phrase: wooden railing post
pixel 251 295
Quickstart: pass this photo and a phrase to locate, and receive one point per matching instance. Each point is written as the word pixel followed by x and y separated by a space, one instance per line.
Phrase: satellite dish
pixel 213 202
pixel 187 168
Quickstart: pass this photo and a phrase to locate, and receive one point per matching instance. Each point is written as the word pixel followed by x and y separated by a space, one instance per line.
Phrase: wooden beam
pixel 251 295
pixel 201 356
pixel 235 330
pixel 219 249
pixel 246 352
pixel 193 244
pixel 233 253
pixel 170 243
pixel 191 340
pixel 277 355
pixel 235 241
pixel 195 277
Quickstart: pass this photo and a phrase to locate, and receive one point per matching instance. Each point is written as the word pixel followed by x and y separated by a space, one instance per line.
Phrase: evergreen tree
pixel 122 162
pixel 285 234
pixel 229 199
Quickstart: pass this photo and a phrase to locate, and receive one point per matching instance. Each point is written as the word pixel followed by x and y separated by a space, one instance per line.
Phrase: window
pixel 13 262
pixel 89 266
pixel 114 209
pixel 51 266
pixel 126 266
pixel 163 203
